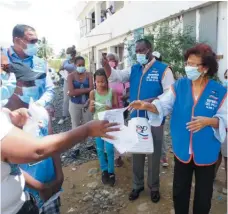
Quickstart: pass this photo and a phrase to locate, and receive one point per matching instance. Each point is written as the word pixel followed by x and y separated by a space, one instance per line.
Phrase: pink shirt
pixel 119 89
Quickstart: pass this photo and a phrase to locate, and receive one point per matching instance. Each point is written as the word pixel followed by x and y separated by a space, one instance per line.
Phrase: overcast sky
pixel 54 19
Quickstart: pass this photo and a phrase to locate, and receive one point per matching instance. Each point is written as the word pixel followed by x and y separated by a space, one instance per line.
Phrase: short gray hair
pixel 114 55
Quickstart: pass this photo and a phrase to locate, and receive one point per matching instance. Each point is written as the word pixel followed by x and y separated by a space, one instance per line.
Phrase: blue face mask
pixel 141 59
pixel 8 86
pixel 225 83
pixel 81 69
pixel 68 56
pixel 31 49
pixel 192 73
pixel 29 92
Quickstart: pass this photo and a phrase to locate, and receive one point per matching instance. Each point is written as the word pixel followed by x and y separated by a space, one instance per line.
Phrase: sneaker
pixel 164 162
pixel 119 162
pixel 61 121
pixel 155 196
pixel 112 179
pixel 135 194
pixel 105 177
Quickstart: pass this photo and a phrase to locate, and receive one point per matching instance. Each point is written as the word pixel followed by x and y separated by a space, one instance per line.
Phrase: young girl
pixel 101 99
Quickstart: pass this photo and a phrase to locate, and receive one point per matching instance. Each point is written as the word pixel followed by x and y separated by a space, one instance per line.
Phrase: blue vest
pixel 202 145
pixel 43 171
pixel 146 86
pixel 35 63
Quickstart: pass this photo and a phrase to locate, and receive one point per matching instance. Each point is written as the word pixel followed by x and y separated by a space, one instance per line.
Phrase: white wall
pixel 222 38
pixel 134 15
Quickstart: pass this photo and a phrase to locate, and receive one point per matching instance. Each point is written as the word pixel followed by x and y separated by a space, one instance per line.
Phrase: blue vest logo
pixel 212 100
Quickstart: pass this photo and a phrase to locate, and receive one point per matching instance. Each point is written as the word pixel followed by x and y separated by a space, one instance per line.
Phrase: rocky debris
pixel 92 185
pixel 82 152
pixel 72 186
pixel 87 198
pixel 142 207
pixel 93 171
pixel 102 199
pixel 71 210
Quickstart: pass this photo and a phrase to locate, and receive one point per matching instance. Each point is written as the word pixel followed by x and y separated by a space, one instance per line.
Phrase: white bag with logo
pixel 143 143
pixel 135 138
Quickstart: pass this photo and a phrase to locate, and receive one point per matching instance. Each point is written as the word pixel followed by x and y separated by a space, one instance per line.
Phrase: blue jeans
pixel 101 155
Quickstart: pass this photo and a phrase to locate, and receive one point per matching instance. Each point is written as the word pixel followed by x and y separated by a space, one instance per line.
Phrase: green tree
pixel 62 54
pixel 45 51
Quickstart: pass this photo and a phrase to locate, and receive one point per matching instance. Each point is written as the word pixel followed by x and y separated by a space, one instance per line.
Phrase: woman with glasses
pixel 198 127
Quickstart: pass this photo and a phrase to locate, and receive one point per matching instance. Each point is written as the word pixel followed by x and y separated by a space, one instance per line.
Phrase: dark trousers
pixel 29 207
pixel 182 181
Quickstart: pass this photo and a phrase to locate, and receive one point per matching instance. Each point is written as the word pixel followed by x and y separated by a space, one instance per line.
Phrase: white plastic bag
pixel 136 138
pixel 38 114
pixel 140 127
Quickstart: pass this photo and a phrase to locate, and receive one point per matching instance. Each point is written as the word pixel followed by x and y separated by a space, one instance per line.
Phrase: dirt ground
pixel 77 178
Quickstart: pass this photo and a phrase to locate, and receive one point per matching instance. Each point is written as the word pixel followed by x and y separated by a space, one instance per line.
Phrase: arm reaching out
pixel 20 147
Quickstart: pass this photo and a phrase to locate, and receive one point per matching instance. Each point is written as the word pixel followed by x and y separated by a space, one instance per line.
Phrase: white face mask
pixel 192 73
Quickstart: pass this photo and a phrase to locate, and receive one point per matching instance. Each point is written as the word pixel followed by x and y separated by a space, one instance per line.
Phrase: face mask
pixel 68 56
pixel 8 86
pixel 29 92
pixel 81 69
pixel 142 59
pixel 225 83
pixel 31 49
pixel 112 64
pixel 192 73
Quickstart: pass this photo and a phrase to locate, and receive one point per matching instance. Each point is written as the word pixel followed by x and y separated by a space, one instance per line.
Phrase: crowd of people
pixel 31 165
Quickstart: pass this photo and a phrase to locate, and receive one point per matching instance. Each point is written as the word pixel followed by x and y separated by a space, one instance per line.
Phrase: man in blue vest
pixel 24 51
pixel 148 79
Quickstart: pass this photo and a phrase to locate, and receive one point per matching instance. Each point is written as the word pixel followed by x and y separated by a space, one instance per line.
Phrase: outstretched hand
pixel 19 117
pixel 98 128
pixel 137 105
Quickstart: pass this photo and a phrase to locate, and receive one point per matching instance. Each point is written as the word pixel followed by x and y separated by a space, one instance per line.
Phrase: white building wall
pixel 132 16
pixel 114 30
pixel 222 38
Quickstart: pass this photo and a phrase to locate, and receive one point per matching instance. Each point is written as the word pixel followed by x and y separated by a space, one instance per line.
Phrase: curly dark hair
pixel 207 55
pixel 72 50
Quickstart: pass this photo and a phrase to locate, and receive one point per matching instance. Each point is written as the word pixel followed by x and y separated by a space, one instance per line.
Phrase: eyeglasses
pixel 192 64
pixel 32 41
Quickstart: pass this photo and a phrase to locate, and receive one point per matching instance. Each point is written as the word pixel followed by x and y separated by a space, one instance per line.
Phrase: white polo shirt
pixel 12 180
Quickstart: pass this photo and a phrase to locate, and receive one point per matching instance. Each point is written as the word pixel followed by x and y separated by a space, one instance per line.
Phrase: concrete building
pixel 105 25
